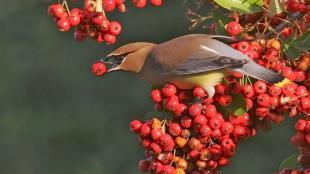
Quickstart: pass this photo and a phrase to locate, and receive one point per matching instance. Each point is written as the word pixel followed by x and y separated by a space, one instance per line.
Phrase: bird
pixel 188 61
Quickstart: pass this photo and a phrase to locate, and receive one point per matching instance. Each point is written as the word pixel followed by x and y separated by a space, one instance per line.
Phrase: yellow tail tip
pixel 283 83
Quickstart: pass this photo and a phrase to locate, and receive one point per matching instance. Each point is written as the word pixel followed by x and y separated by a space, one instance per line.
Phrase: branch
pixel 282 25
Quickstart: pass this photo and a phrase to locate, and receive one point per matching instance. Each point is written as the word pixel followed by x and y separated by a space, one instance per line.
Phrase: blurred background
pixel 58 118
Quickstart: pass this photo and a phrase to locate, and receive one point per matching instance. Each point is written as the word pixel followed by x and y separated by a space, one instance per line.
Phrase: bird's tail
pixel 256 71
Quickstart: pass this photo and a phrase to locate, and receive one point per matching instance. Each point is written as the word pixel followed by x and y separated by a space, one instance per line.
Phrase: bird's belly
pixel 201 79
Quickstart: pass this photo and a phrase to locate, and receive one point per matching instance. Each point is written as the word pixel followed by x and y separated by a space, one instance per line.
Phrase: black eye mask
pixel 114 59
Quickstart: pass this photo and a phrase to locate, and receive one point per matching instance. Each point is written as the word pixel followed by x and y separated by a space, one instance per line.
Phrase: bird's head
pixel 129 57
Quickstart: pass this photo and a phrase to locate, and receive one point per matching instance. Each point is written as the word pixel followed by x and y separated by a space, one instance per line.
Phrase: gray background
pixel 57 118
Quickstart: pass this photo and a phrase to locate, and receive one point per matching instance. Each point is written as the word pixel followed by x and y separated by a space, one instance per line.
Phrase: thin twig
pixel 284 24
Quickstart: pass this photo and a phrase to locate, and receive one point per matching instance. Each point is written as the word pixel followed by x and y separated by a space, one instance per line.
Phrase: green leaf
pixel 293 46
pixel 237 107
pixel 290 162
pixel 291 51
pixel 275 7
pixel 220 30
pixel 242 6
pixel 157 114
pixel 302 42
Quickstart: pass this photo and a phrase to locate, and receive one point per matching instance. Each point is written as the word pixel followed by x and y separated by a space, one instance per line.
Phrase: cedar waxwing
pixel 187 61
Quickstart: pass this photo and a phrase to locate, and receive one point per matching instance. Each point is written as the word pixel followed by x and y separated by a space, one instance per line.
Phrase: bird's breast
pixel 211 78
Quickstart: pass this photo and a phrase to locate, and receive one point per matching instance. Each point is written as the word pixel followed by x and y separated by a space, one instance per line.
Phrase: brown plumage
pixel 187 61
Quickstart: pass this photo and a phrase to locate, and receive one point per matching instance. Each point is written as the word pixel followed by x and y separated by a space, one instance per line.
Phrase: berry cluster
pixel 293 97
pixel 199 137
pixel 91 21
pixel 196 139
pixel 143 3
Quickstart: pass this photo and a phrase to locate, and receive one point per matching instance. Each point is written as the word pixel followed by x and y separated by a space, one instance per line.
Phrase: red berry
pixel 63 25
pixel 89 5
pixel 115 28
pixel 261 112
pixel 227 144
pixel 169 90
pixel 144 166
pixel 156 2
pixel 146 143
pixel 243 46
pixel 223 161
pixel 167 169
pixel 186 122
pixel 110 38
pixel 171 103
pixel 221 89
pixel 260 87
pixel 121 8
pixel 272 55
pixel 194 144
pixel 300 125
pixel 180 109
pixel 199 92
pixel 248 91
pixel 233 28
pixel 155 148
pixel 165 140
pixel 274 101
pixel 289 89
pixel 194 110
pixel 50 10
pixel 75 12
pixel 215 123
pixel 156 96
pixel 99 68
pixel 274 91
pixel 305 103
pixel 135 125
pixel 175 129
pixel 227 128
pixel 286 32
pixel 105 25
pixel 224 100
pixel 165 158
pixel 108 5
pixel 156 133
pixel 263 100
pixel 249 103
pixel 200 120
pixel 210 111
pixel 98 18
pixel 205 131
pixel 239 131
pixel 74 20
pixel 79 35
pixel 301 91
pixel 288 73
pixel 145 130
pixel 57 10
pixel 139 3
pixel 300 76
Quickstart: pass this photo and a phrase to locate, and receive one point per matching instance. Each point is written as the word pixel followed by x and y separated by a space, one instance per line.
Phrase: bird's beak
pixel 110 64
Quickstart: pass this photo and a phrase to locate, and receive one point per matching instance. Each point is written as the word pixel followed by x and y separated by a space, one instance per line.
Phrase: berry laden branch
pixel 189 132
pixel 280 27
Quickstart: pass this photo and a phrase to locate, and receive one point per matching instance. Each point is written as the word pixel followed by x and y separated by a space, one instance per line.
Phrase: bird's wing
pixel 188 55
pixel 198 65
